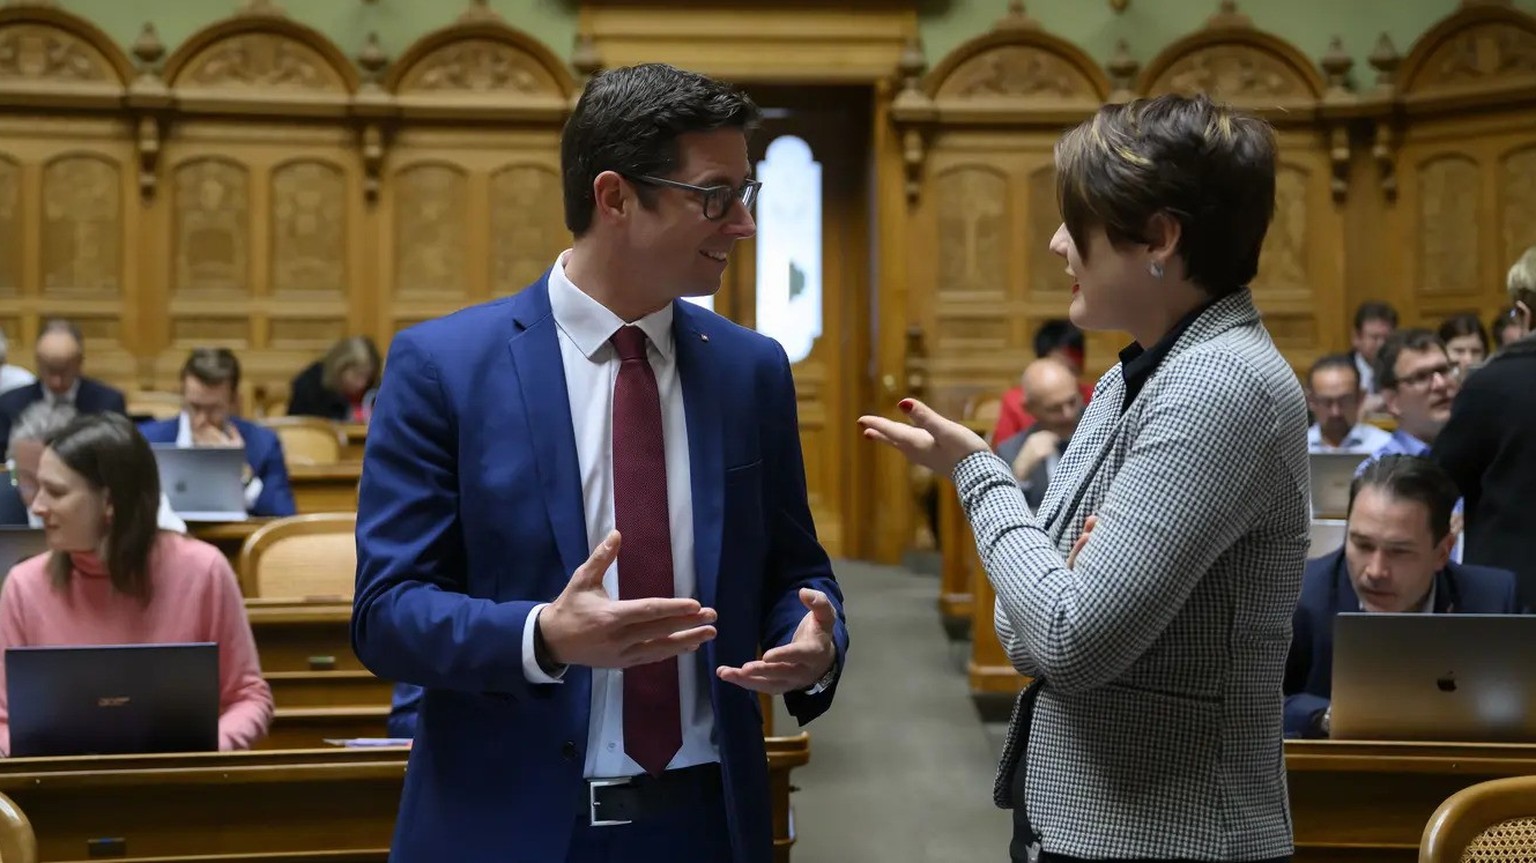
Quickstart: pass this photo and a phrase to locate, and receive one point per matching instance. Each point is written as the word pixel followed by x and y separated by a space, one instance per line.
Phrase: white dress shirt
pixel 591 369
pixel 184 441
pixel 1367 374
pixel 15 377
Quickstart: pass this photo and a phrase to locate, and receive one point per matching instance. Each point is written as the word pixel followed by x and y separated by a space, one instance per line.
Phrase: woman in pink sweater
pixel 112 577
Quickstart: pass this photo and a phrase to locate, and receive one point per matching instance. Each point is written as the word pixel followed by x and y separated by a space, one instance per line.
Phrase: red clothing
pixel 194 598
pixel 1012 418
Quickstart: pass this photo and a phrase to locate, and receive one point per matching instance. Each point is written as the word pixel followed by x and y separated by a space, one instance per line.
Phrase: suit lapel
pixel 697 369
pixel 540 376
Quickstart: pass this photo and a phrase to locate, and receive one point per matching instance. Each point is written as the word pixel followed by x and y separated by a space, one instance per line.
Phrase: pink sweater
pixel 194 598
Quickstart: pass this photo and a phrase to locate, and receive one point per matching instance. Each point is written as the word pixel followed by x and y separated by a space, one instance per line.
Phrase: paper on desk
pixel 357 742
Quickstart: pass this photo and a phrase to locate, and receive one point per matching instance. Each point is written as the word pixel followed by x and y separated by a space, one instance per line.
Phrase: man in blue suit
pixel 1395 559
pixel 574 710
pixel 209 380
pixel 60 356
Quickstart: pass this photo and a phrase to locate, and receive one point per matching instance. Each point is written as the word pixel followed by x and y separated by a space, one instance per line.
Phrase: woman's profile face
pixel 1102 285
pixel 74 514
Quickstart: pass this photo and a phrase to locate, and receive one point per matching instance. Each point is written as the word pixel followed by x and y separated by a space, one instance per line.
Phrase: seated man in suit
pixel 209 380
pixel 1395 559
pixel 1052 396
pixel 60 354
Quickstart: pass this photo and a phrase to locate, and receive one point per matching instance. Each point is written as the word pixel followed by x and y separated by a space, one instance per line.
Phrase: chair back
pixel 308 440
pixel 160 405
pixel 302 557
pixel 1490 822
pixel 17 842
pixel 981 413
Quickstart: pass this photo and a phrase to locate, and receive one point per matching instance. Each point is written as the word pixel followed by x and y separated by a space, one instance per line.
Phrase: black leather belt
pixel 611 802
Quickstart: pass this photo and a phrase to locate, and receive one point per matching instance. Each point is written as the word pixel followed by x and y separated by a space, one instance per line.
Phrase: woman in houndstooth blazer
pixel 1152 727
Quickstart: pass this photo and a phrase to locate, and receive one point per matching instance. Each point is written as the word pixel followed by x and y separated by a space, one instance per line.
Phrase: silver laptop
pixel 1326 537
pixel 203 483
pixel 1467 678
pixel 1332 473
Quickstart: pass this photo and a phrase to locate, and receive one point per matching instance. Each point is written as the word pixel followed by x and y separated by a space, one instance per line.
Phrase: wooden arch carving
pixel 1231 61
pixel 1017 67
pixel 1483 50
pixel 266 55
pixel 478 62
pixel 43 44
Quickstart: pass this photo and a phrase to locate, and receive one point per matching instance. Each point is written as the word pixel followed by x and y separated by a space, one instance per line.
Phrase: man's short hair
pixel 1209 166
pixel 1058 335
pixel 1375 310
pixel 39 422
pixel 1412 339
pixel 628 121
pixel 1333 361
pixel 1415 478
pixel 62 325
pixel 212 367
pixel 1521 282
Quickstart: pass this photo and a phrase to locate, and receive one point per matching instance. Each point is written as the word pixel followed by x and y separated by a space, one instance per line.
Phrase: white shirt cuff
pixel 531 669
pixel 253 492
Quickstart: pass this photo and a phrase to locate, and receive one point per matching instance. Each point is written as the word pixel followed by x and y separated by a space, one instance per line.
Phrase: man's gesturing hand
pixel 584 626
pixel 797 665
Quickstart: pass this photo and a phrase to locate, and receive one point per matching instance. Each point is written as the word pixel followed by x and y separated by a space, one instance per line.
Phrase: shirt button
pixel 612 746
pixel 568 750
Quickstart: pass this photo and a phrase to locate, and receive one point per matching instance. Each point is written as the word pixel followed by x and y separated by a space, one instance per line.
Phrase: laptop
pixel 203 483
pixel 1466 678
pixel 19 543
pixel 1326 536
pixel 113 700
pixel 1332 473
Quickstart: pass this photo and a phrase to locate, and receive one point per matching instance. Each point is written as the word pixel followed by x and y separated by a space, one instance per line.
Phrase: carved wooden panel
pixel 35 51
pixel 192 331
pixel 10 226
pixel 1235 73
pixel 1517 207
pixel 82 226
pixel 1017 71
pixel 261 61
pixel 310 334
pixel 1283 262
pixel 1478 54
pixel 1047 271
pixel 431 231
pixel 478 66
pixel 973 231
pixel 1449 229
pixel 526 232
pixel 212 238
pixel 309 228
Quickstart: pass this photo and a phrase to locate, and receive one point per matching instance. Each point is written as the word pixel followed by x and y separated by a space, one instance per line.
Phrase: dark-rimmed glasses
pixel 717 199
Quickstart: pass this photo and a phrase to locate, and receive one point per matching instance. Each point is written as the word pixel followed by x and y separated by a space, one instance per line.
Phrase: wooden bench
pixel 302 636
pixel 356 436
pixel 309 727
pixel 957 547
pixel 325 487
pixel 316 805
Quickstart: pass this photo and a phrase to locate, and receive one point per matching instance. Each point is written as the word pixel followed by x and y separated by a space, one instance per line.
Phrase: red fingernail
pixel 905 405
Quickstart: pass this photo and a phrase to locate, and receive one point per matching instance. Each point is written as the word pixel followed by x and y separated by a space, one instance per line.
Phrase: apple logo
pixel 1446 683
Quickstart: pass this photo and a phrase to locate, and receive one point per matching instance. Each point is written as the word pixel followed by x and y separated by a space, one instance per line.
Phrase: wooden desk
pixel 302 636
pixel 325 487
pixel 1368 801
pixel 309 727
pixel 327 688
pixel 356 435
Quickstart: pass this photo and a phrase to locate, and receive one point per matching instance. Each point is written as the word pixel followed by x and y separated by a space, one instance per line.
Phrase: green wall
pixel 1147 25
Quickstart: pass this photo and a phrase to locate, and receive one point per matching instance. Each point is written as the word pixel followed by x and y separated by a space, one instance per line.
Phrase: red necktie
pixel 653 725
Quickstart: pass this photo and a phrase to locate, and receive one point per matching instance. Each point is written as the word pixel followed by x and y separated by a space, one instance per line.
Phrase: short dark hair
pixel 1209 166
pixel 1411 339
pixel 213 366
pixel 110 454
pixel 1055 335
pixel 1334 361
pixel 1374 310
pixel 628 121
pixel 1415 478
pixel 1456 326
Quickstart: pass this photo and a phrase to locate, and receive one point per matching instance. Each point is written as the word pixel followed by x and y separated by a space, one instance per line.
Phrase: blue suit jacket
pixel 263 452
pixel 1326 591
pixel 470 514
pixel 93 397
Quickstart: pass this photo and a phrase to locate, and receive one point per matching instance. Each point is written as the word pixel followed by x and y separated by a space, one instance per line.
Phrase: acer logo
pixel 112 701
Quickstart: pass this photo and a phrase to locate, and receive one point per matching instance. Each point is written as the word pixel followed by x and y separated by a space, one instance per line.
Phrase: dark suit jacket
pixel 263 452
pixel 1326 592
pixel 1489 449
pixel 470 514
pixel 308 397
pixel 1039 479
pixel 94 397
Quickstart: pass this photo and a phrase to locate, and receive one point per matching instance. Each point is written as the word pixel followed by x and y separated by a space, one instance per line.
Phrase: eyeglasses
pixel 1448 371
pixel 717 199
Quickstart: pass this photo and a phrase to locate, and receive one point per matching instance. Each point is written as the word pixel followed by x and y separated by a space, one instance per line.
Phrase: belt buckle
pixel 592 786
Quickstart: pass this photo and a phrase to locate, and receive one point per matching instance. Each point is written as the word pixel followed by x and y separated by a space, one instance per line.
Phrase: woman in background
pixel 111 576
pixel 1466 342
pixel 338 386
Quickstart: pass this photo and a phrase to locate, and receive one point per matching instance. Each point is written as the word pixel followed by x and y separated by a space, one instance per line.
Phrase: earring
pixel 1155 269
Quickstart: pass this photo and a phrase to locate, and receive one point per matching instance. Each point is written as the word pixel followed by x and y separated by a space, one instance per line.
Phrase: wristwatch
pixel 1325 723
pixel 826 681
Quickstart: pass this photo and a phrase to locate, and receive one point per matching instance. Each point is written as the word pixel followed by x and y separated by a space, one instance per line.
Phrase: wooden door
pixel 809 131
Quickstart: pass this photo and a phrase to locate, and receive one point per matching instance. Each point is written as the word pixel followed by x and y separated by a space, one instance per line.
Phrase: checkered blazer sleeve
pixel 1184 493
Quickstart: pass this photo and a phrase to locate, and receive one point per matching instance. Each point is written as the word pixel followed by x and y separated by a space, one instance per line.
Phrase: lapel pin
pixel 703 337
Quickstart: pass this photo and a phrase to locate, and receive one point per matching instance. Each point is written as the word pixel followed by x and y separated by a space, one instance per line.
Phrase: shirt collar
pixel 1138 363
pixel 183 430
pixel 1407 444
pixel 67 398
pixel 1355 438
pixel 589 324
